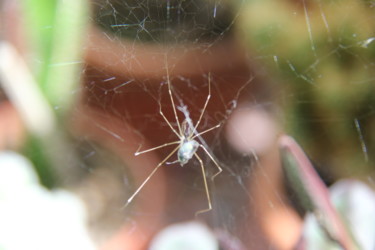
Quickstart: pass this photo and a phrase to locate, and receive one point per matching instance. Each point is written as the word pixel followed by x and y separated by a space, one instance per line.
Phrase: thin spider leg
pixel 172 101
pixel 206 187
pixel 169 124
pixel 149 177
pixel 205 105
pixel 172 162
pixel 205 131
pixel 212 159
pixel 151 149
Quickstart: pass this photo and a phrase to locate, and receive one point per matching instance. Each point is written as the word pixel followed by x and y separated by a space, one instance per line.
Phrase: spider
pixel 187 147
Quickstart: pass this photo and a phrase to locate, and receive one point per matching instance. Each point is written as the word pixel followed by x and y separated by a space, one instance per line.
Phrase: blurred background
pixel 81 86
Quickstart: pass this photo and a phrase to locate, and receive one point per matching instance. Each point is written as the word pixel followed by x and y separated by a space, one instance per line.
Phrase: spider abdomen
pixel 186 151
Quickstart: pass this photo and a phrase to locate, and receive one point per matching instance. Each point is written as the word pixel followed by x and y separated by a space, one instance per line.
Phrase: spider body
pixel 187 147
pixel 187 150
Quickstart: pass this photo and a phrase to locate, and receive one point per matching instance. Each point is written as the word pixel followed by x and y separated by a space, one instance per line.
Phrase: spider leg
pixel 169 124
pixel 205 104
pixel 172 162
pixel 205 131
pixel 152 149
pixel 173 105
pixel 205 186
pixel 214 161
pixel 149 177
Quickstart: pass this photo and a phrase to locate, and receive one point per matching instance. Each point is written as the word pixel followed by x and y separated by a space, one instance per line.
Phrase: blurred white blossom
pixel 34 218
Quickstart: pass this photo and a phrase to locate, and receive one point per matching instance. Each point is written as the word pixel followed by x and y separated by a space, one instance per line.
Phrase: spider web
pixel 300 55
